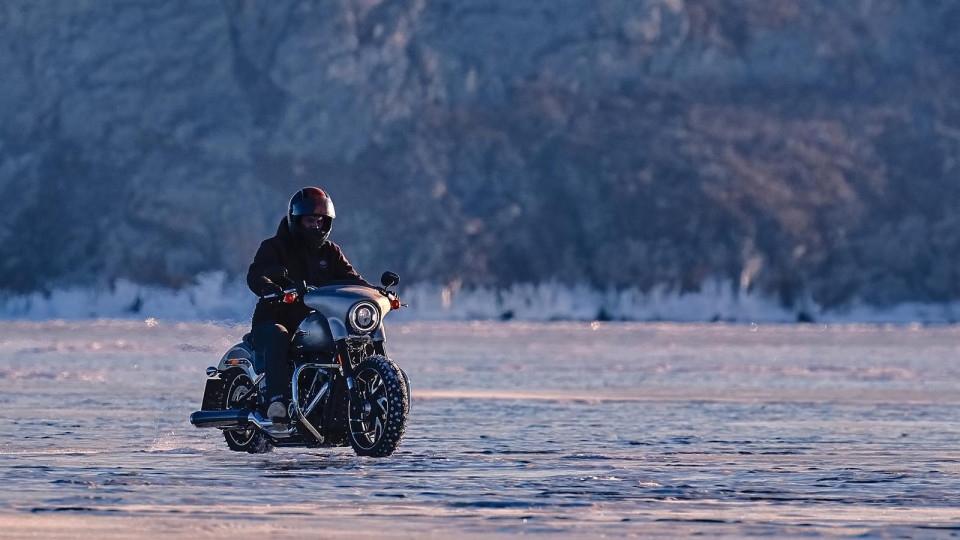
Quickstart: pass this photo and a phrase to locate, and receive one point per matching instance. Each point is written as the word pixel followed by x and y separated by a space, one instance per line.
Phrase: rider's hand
pixel 271 288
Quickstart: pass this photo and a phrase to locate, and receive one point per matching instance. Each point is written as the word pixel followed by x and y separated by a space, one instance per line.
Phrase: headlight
pixel 364 317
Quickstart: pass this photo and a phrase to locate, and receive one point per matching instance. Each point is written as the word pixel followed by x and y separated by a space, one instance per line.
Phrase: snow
pixel 214 297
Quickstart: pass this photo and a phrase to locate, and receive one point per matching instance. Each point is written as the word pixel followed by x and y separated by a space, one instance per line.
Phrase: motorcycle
pixel 344 389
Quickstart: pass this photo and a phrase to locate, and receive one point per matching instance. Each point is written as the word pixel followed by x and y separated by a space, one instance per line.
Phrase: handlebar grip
pixel 279 295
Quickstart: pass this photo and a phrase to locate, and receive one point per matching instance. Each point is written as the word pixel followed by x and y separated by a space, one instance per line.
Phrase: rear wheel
pixel 250 439
pixel 378 407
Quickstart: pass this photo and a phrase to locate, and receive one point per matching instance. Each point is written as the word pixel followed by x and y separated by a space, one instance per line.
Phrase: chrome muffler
pixel 230 418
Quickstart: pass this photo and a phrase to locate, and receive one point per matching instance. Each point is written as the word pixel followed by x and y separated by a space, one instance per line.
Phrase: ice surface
pixel 559 430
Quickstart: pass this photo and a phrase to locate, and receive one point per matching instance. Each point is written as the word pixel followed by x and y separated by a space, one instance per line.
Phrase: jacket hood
pixel 284 234
pixel 283 230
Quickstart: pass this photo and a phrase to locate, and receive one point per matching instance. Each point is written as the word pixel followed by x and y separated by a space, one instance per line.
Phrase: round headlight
pixel 364 317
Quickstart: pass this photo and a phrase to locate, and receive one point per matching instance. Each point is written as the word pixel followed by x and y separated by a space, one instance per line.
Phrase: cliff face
pixel 799 147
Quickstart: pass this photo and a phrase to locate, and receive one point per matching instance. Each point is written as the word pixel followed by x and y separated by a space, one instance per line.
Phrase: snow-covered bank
pixel 214 297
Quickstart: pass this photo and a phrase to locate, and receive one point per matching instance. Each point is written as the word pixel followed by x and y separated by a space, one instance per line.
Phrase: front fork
pixel 346 365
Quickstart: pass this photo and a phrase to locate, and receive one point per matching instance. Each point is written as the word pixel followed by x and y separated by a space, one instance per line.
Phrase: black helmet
pixel 311 201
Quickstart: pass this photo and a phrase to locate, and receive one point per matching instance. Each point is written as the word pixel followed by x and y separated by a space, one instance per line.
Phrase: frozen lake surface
pixel 556 430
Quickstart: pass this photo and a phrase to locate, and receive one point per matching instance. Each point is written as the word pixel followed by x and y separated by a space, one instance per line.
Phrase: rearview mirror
pixel 389 279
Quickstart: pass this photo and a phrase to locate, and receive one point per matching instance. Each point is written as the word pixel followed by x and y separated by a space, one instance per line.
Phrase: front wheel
pixel 378 407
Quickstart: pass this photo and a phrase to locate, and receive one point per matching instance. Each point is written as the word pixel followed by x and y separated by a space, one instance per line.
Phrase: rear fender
pixel 239 356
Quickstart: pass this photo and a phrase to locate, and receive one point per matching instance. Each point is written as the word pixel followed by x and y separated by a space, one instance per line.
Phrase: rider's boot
pixel 276 411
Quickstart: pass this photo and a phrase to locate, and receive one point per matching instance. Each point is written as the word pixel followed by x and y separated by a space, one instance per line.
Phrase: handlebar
pixel 394 298
pixel 289 296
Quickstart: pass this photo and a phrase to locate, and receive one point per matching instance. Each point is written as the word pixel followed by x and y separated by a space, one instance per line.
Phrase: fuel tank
pixel 314 335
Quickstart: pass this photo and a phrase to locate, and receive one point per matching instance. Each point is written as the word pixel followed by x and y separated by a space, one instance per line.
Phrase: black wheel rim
pixel 237 388
pixel 368 418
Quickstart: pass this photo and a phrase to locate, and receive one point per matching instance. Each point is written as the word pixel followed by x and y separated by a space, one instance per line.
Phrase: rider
pixel 299 252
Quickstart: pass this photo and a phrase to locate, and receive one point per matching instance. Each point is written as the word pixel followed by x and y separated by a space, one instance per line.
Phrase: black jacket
pixel 315 266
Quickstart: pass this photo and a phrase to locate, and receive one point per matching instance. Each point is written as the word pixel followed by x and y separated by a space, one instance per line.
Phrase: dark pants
pixel 272 342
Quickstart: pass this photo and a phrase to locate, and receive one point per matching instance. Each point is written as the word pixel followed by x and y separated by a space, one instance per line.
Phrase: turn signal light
pixel 289 298
pixel 395 304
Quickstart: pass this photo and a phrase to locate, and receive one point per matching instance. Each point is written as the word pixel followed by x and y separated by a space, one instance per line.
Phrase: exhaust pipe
pixel 229 418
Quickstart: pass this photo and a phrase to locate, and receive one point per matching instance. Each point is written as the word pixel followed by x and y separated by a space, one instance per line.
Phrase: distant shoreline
pixel 214 297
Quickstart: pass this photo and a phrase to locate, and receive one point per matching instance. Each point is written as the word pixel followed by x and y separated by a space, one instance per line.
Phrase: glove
pixel 271 288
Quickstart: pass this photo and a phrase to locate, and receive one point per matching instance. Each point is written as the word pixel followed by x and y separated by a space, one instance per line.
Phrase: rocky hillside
pixel 808 149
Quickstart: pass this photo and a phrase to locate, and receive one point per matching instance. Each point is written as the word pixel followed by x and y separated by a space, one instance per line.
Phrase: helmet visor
pixel 308 206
